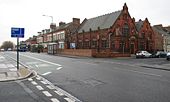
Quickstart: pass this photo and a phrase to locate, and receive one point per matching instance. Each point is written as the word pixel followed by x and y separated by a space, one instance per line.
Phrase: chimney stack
pixel 61 24
pixel 158 25
pixel 52 25
pixel 76 21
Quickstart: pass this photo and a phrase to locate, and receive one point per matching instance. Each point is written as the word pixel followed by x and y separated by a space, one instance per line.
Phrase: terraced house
pixel 56 37
pixel 164 43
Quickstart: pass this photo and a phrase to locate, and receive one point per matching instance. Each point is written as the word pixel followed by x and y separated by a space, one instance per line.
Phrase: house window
pixel 105 44
pixel 94 44
pixel 61 45
pixel 79 45
pixel 86 44
pixel 113 45
pixel 55 37
pixel 141 46
pixel 122 46
pixel 125 30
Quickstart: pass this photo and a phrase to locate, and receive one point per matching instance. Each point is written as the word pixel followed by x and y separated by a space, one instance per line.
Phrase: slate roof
pixel 139 24
pixel 159 29
pixel 104 21
pixel 167 28
pixel 62 26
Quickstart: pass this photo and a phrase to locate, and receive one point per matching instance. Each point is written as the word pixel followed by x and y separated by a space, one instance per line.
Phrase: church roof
pixel 102 22
pixel 139 24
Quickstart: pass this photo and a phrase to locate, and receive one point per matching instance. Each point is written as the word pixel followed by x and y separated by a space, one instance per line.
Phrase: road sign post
pixel 17 53
pixel 18 33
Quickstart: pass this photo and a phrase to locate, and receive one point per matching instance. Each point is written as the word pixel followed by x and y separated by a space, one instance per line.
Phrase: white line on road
pixel 39 87
pixel 30 79
pixel 41 60
pixel 45 83
pixel 59 68
pixel 69 100
pixel 46 73
pixel 38 78
pixel 146 73
pixel 37 66
pixel 54 100
pixel 59 93
pixel 34 83
pixel 50 87
pixel 47 93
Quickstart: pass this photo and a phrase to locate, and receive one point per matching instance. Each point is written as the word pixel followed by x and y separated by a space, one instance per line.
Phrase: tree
pixel 7 44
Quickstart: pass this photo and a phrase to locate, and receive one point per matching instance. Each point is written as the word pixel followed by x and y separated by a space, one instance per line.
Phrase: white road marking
pixel 43 82
pixel 37 66
pixel 59 93
pixel 13 69
pixel 16 65
pixel 10 65
pixel 38 78
pixel 54 100
pixel 34 83
pixel 50 87
pixel 46 73
pixel 150 74
pixel 3 66
pixel 39 87
pixel 41 60
pixel 59 68
pixel 30 79
pixel 1 57
pixel 146 73
pixel 47 93
pixel 69 100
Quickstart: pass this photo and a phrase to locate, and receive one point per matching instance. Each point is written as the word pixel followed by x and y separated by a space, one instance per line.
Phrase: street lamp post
pixel 50 17
pixel 51 24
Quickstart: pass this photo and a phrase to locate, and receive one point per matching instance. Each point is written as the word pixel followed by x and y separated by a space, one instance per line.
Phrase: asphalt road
pixel 103 79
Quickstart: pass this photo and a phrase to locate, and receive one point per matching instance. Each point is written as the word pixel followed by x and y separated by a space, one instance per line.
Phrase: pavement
pixel 9 71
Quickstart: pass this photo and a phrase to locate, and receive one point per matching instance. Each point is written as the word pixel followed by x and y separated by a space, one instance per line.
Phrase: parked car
pixel 168 56
pixel 159 54
pixel 2 50
pixel 143 54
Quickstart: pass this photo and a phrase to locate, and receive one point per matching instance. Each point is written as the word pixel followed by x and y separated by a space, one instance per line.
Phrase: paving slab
pixel 9 72
pixel 12 74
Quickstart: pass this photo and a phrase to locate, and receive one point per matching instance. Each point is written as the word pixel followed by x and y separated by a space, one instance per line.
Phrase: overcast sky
pixel 28 13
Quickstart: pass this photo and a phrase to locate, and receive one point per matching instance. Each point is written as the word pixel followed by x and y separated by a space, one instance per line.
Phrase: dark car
pixel 168 56
pixel 159 54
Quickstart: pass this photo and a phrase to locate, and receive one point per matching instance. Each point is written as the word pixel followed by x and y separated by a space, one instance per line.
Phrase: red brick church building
pixel 146 36
pixel 108 34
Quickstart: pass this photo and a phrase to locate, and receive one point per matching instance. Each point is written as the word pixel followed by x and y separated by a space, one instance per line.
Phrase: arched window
pixel 125 30
pixel 143 35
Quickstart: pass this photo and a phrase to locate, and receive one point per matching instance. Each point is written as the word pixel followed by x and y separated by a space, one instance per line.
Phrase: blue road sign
pixel 17 32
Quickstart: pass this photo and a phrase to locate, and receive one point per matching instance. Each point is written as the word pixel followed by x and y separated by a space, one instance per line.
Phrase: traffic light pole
pixel 17 53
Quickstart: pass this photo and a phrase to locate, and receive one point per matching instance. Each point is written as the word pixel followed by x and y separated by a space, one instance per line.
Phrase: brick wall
pixel 90 53
pixel 75 52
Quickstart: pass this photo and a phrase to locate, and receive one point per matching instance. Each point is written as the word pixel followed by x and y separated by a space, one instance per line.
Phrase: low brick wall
pixel 76 52
pixel 45 50
pixel 91 53
pixel 110 54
